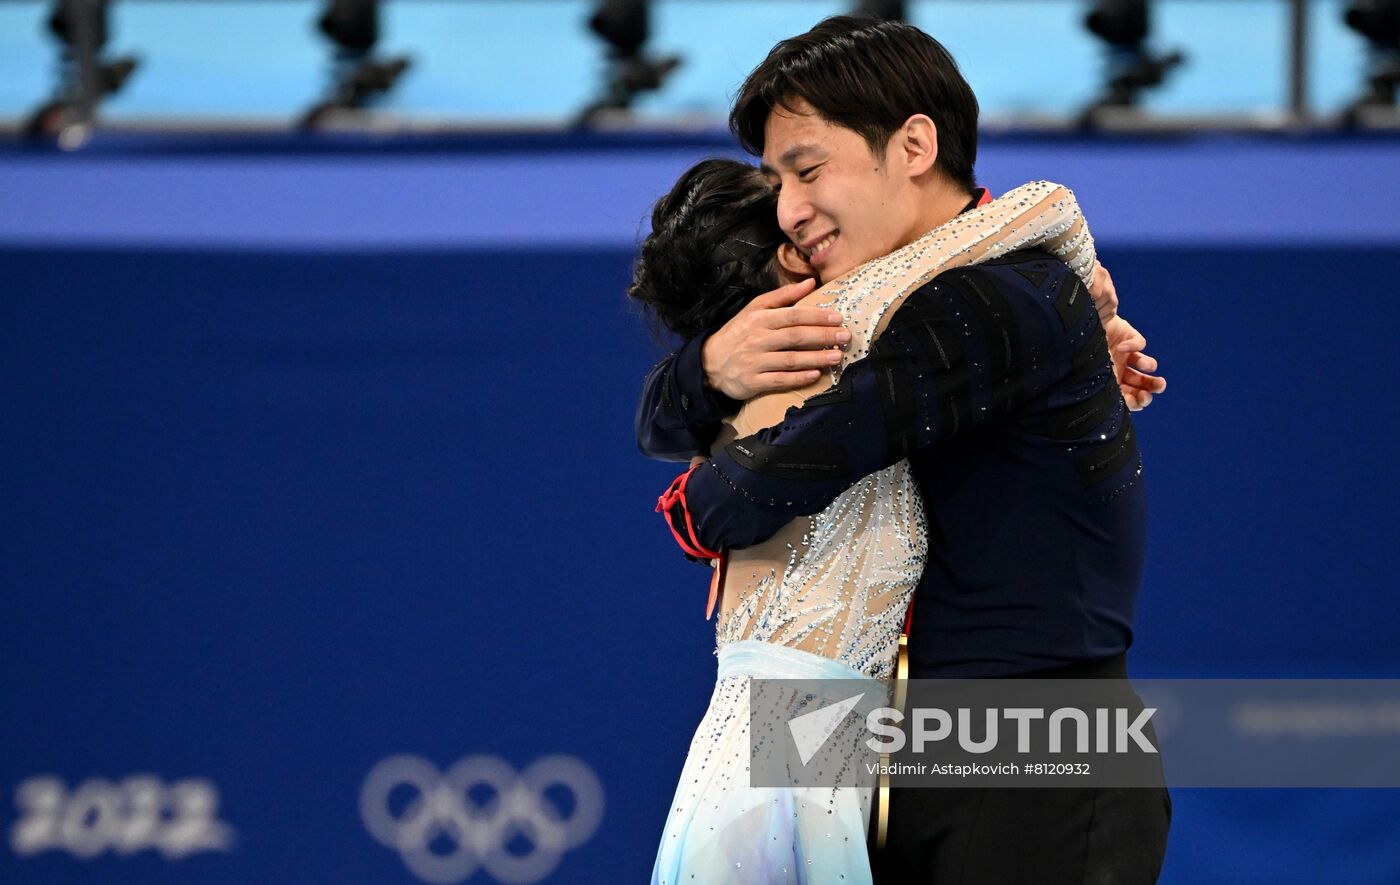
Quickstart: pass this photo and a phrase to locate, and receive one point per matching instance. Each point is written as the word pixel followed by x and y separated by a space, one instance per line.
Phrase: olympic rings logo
pixel 486 811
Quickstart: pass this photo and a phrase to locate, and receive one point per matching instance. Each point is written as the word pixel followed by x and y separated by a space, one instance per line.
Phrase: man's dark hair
pixel 870 76
pixel 711 249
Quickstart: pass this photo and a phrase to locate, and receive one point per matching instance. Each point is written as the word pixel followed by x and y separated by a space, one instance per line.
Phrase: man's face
pixel 839 203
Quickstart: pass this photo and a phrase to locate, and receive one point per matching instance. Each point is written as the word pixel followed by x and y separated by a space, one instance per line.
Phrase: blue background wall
pixel 316 453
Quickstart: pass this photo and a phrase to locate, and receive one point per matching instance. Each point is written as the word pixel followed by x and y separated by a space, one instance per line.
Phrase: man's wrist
pixel 709 378
pixel 721 401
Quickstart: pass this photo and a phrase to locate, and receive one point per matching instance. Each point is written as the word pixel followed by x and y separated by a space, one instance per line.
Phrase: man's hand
pixel 1104 294
pixel 772 345
pixel 1131 366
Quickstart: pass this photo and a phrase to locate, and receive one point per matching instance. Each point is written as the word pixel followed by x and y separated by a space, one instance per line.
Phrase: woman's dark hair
pixel 711 249
pixel 869 76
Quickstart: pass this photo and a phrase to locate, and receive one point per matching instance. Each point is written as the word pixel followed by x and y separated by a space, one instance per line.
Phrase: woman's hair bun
pixel 711 248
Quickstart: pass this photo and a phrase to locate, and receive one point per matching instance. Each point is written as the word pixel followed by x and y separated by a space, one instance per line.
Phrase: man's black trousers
pixel 1031 836
pixel 1028 836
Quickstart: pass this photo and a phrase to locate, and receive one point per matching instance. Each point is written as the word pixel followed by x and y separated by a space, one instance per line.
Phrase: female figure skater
pixel 826 597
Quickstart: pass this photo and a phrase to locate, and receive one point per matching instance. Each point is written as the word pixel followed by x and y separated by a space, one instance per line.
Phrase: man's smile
pixel 817 250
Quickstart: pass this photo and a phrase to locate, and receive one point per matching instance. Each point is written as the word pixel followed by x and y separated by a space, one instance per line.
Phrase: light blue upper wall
pixel 533 60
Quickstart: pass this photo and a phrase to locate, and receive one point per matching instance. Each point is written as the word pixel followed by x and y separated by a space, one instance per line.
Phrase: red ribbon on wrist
pixel 675 494
pixel 717 584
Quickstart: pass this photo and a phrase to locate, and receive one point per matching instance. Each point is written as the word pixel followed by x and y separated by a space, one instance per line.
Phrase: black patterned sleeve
pixel 678 416
pixel 963 351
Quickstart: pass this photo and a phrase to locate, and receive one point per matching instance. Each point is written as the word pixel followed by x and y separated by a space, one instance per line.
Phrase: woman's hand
pixel 1131 366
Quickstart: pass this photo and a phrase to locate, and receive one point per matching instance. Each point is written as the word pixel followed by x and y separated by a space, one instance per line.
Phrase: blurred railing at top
pixel 69 66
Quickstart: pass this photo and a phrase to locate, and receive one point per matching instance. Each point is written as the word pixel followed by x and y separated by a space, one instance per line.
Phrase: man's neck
pixel 943 205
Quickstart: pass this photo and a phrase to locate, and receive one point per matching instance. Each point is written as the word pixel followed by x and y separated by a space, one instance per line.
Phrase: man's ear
pixel 917 143
pixel 792 267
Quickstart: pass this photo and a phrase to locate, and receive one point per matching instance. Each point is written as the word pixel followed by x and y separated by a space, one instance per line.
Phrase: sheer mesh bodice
pixel 838 584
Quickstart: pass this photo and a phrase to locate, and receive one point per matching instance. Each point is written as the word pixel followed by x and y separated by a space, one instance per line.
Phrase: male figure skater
pixel 994 381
